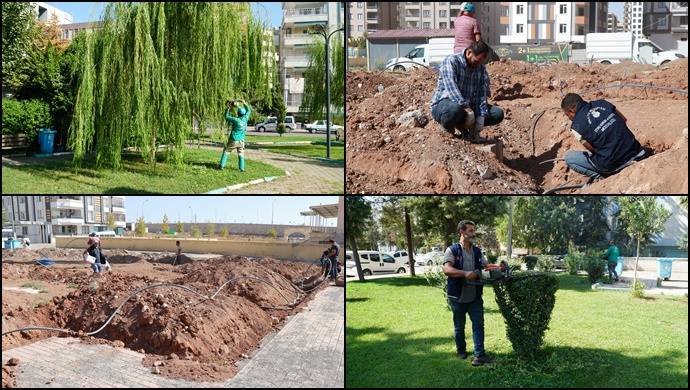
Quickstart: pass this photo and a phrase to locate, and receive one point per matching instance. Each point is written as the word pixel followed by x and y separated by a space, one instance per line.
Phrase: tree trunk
pixel 355 254
pixel 636 260
pixel 408 234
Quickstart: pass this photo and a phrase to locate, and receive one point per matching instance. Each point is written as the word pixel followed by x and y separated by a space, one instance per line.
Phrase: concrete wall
pixel 264 248
pixel 652 264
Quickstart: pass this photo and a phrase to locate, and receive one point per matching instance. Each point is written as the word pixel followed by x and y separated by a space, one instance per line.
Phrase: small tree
pixel 272 233
pixel 210 228
pixel 280 129
pixel 140 229
pixel 642 216
pixel 195 232
pixel 224 232
pixel 165 228
pixel 180 227
pixel 110 221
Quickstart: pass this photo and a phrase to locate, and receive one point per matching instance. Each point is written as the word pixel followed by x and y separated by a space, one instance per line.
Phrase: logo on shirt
pixel 594 113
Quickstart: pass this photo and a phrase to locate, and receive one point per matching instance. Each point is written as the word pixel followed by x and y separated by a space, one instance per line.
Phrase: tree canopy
pixel 152 64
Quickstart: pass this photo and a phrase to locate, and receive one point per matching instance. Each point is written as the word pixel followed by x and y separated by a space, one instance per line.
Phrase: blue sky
pixel 81 12
pixel 219 209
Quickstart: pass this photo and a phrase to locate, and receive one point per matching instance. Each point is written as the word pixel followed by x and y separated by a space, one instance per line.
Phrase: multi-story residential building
pixel 41 217
pixel 45 12
pixel 369 17
pixel 632 17
pixel 299 19
pixel 612 23
pixel 666 23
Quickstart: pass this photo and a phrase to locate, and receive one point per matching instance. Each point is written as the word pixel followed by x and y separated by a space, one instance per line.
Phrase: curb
pixel 241 185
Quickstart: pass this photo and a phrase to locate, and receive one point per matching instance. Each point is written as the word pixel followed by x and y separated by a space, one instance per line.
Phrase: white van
pixel 106 233
pixel 374 263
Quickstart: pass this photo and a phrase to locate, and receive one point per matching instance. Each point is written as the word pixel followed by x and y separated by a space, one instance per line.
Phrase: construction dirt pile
pixel 183 335
pixel 388 155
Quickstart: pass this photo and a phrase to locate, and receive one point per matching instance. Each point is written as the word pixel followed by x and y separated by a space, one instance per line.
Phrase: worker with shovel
pixel 461 263
pixel 238 129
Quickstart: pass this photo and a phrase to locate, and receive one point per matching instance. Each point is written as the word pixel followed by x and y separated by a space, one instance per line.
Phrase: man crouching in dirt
pixel 460 98
pixel 602 129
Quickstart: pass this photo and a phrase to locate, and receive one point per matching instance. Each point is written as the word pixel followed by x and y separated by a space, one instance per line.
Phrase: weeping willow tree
pixel 153 64
pixel 314 99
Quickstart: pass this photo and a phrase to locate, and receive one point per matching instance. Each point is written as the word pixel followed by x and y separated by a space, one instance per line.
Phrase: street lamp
pixel 142 210
pixel 321 31
pixel 191 216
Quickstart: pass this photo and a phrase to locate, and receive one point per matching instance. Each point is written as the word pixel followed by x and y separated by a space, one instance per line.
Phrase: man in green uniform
pixel 611 255
pixel 238 129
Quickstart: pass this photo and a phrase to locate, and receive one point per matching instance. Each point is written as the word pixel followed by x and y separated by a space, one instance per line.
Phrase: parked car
pixel 429 258
pixel 272 122
pixel 559 262
pixel 400 255
pixel 320 127
pixel 373 262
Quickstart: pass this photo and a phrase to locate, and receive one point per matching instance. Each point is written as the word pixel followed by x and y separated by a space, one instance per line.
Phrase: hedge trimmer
pixel 491 274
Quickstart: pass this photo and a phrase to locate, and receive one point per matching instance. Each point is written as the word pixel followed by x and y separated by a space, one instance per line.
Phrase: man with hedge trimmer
pixel 462 263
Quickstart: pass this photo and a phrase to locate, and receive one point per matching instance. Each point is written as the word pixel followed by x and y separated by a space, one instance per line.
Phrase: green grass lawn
pixel 400 334
pixel 197 176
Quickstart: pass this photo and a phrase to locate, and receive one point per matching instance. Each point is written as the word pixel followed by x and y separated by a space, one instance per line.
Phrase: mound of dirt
pixel 196 337
pixel 524 153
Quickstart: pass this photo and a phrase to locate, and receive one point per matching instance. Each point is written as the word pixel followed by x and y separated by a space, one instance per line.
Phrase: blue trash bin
pixel 47 141
pixel 664 269
pixel 41 134
pixel 619 266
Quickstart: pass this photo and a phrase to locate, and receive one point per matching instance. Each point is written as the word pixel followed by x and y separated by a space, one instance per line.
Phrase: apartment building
pixel 666 23
pixel 45 12
pixel 42 217
pixel 298 20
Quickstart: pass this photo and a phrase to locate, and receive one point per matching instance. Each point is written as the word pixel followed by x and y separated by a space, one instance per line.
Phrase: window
pixel 388 259
pixel 426 14
pixel 564 9
pixel 442 13
pixel 520 9
pixel 426 25
pixel 519 28
pixel 562 28
pixel 25 231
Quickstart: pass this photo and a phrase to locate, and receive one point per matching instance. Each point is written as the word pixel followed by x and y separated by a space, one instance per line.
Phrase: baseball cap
pixel 469 7
pixel 241 111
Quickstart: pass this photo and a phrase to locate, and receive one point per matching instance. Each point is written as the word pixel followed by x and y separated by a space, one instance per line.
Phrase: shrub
pixel 280 129
pixel 526 302
pixel 491 258
pixel 545 264
pixel 594 265
pixel 573 262
pixel 25 117
pixel 531 261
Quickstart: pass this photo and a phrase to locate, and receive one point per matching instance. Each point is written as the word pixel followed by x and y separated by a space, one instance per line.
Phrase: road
pixel 296 132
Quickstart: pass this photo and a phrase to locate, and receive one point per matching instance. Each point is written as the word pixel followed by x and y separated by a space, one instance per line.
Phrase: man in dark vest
pixel 460 262
pixel 602 129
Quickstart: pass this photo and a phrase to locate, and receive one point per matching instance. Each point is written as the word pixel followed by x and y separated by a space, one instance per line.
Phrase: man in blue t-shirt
pixel 601 128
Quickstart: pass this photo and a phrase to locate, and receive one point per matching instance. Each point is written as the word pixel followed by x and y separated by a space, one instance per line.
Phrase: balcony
pixel 68 221
pixel 305 16
pixel 62 204
pixel 296 61
pixel 118 210
pixel 298 39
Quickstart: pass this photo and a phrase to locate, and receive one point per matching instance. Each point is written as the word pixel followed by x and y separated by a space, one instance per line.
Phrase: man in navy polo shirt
pixel 601 128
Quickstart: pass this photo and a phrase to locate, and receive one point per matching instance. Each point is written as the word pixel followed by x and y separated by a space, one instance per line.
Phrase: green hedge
pixel 526 302
pixel 25 117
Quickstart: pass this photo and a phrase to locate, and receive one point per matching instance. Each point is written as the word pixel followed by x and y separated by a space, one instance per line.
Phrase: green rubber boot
pixel 241 164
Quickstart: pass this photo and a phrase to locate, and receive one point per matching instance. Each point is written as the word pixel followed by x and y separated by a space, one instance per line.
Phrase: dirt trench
pixel 524 152
pixel 196 338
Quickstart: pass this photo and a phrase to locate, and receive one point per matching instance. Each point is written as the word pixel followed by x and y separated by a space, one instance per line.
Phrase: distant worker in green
pixel 238 129
pixel 611 256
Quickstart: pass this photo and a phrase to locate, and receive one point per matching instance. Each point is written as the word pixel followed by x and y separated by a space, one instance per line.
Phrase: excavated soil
pixel 183 335
pixel 384 156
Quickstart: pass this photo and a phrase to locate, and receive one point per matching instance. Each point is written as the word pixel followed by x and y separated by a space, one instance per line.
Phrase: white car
pixel 400 255
pixel 272 122
pixel 429 258
pixel 320 127
pixel 373 262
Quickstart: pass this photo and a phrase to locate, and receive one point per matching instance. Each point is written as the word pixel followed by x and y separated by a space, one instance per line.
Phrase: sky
pixel 227 209
pixel 81 12
pixel 617 9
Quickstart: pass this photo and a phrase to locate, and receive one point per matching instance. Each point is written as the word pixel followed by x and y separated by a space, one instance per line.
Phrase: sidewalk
pixel 676 285
pixel 302 354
